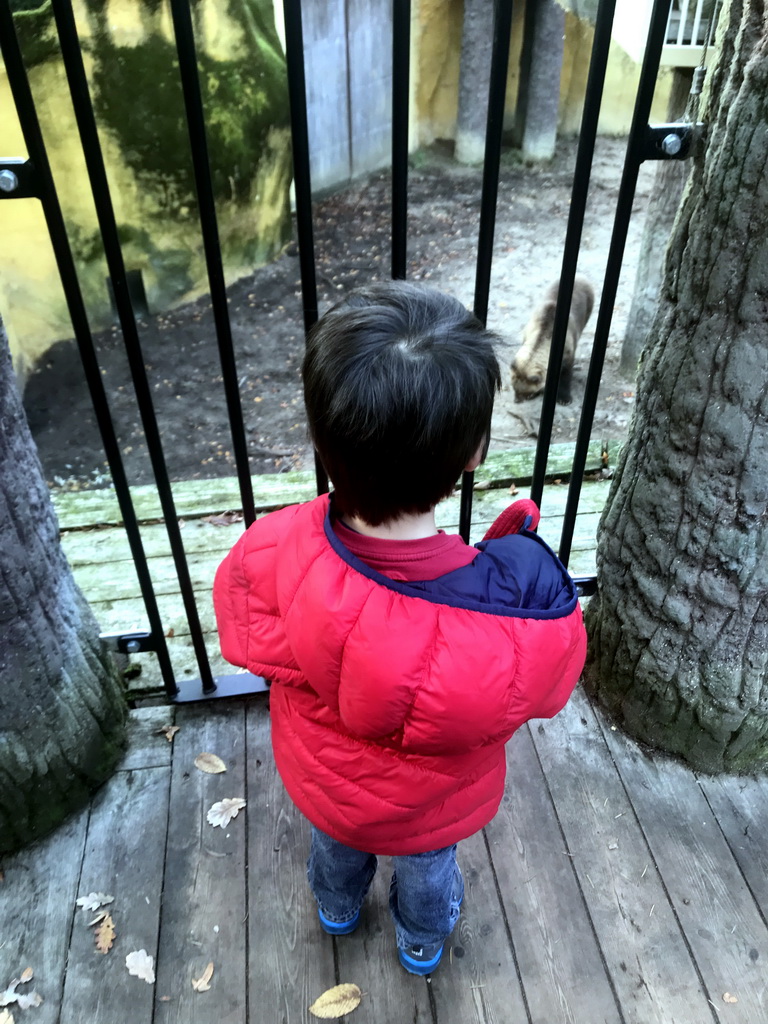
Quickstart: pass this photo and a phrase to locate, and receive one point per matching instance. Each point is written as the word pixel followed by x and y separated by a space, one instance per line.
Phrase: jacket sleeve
pixel 251 631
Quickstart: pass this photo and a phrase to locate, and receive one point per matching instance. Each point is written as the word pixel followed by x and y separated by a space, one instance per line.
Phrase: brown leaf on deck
pixel 105 934
pixel 169 731
pixel 728 998
pixel 201 984
pixel 336 1002
pixel 26 975
pixel 210 764
pixel 224 811
pixel 141 965
pixel 94 900
pixel 6 1017
pixel 224 519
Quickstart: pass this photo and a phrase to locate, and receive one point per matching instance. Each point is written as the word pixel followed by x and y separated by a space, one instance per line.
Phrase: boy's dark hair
pixel 399 383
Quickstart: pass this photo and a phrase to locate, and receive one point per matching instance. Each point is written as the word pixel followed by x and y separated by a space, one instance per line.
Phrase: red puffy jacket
pixel 391 701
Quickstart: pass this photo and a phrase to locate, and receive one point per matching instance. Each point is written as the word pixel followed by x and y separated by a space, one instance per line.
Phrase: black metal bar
pixel 497 90
pixel 193 104
pixel 401 60
pixel 243 684
pixel 581 175
pixel 297 96
pixel 632 160
pixel 97 175
pixel 33 138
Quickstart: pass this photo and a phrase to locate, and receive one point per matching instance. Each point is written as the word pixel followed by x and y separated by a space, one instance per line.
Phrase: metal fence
pixel 32 177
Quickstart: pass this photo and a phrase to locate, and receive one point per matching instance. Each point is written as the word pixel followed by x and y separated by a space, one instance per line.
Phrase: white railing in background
pixel 689 22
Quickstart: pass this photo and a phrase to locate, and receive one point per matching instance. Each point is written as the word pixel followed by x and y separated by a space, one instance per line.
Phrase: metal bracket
pixel 128 643
pixel 586 586
pixel 670 141
pixel 18 179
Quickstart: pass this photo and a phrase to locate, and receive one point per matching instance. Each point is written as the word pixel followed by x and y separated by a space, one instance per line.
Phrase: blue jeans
pixel 424 895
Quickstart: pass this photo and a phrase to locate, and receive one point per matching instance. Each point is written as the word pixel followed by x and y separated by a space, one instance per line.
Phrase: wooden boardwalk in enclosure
pixel 98 550
pixel 612 888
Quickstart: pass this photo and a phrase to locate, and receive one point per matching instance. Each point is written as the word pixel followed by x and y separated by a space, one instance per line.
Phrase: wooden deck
pixel 612 887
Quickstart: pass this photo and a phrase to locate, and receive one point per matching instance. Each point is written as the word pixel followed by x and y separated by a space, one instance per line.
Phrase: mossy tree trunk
pixel 679 629
pixel 62 711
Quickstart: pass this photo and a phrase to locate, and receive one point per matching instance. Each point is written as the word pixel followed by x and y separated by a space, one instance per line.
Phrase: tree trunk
pixel 668 184
pixel 679 629
pixel 62 710
pixel 538 102
pixel 474 80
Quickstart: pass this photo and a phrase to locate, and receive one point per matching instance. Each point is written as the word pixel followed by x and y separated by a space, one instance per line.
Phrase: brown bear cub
pixel 529 367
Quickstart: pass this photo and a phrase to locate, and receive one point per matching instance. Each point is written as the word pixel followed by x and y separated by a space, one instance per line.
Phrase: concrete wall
pixel 437 75
pixel 129 55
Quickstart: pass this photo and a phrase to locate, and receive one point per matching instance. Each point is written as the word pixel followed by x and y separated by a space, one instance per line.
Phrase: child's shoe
pixel 420 959
pixel 338 927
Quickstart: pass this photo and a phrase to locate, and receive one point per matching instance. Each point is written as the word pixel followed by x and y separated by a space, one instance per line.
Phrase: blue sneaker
pixel 424 959
pixel 420 959
pixel 338 927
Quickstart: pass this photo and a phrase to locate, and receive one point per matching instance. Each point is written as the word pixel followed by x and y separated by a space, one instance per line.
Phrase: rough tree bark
pixel 668 183
pixel 474 78
pixel 679 629
pixel 541 62
pixel 62 710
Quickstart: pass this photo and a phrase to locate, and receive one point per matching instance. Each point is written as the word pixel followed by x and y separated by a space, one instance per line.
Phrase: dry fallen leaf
pixel 210 764
pixel 224 519
pixel 99 917
pixel 728 998
pixel 141 965
pixel 6 1017
pixel 225 810
pixel 31 999
pixel 22 1000
pixel 105 934
pixel 336 1002
pixel 94 900
pixel 169 731
pixel 201 984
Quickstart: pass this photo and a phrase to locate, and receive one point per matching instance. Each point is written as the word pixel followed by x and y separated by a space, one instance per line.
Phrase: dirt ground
pixel 352 245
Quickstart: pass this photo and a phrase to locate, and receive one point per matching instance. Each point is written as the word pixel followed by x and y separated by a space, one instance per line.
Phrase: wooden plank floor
pixel 612 888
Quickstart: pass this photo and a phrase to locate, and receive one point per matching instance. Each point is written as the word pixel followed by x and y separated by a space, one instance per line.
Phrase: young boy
pixel 401 659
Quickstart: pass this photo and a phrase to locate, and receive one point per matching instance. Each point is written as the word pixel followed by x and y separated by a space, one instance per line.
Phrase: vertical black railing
pixel 97 175
pixel 193 104
pixel 185 43
pixel 33 138
pixel 632 161
pixel 401 60
pixel 302 181
pixel 497 90
pixel 587 136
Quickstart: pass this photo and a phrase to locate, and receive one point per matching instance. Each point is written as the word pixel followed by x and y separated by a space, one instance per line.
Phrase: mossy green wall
pixel 132 67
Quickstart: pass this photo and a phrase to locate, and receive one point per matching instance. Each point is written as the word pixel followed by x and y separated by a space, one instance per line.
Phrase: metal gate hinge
pixel 18 179
pixel 128 643
pixel 670 141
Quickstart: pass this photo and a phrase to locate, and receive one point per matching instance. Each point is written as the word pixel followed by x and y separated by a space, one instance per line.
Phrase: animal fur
pixel 529 367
